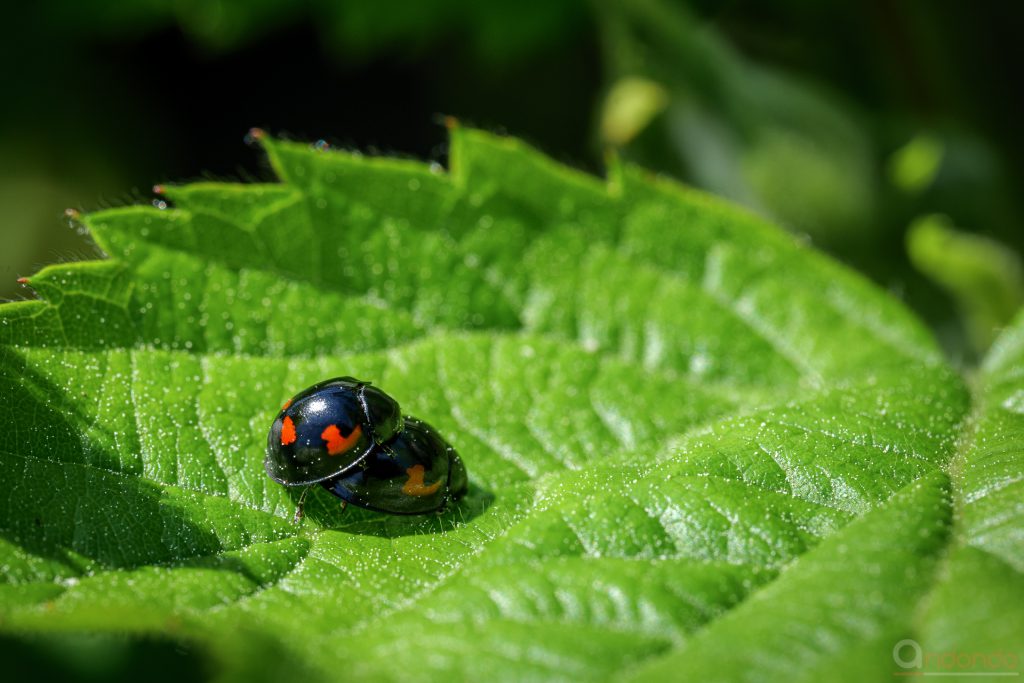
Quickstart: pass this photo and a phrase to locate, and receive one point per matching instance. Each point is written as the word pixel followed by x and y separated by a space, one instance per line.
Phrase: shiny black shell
pixel 416 472
pixel 328 430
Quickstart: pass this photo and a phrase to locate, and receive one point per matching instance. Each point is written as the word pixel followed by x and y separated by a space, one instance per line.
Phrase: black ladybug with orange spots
pixel 352 439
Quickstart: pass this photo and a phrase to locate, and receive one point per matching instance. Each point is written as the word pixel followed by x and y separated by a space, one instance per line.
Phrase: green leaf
pixel 689 437
pixel 985 277
pixel 781 146
pixel 913 167
pixel 630 106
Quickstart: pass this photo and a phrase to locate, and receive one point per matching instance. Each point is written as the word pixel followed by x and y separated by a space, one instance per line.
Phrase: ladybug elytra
pixel 352 439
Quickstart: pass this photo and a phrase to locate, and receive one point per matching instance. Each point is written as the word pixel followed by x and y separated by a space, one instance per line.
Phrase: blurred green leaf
pixel 913 167
pixel 629 107
pixel 687 435
pixel 743 130
pixel 986 278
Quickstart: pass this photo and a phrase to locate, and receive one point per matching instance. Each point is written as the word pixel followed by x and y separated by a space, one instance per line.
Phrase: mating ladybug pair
pixel 352 439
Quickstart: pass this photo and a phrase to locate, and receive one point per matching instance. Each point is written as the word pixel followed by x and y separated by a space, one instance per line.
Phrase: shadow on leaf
pixel 326 510
pixel 69 497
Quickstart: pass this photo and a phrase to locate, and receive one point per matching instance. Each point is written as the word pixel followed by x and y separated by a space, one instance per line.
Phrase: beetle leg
pixel 299 507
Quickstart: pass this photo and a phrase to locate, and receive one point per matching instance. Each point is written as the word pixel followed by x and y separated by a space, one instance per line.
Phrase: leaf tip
pixel 23 281
pixel 73 214
pixel 159 189
pixel 255 135
pixel 451 123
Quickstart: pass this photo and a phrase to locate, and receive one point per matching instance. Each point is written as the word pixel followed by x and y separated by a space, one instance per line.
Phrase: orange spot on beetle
pixel 287 431
pixel 338 444
pixel 415 487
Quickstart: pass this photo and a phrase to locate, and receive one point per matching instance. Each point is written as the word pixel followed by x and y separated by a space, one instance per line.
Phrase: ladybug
pixel 352 439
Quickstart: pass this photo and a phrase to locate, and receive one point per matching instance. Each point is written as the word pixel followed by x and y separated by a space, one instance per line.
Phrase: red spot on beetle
pixel 287 431
pixel 415 487
pixel 338 444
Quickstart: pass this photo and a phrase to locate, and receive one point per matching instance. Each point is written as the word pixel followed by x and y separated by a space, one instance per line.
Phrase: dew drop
pixel 1015 402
